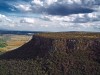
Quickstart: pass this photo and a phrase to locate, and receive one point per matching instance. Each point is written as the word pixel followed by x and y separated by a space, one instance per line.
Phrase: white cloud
pixel 23 7
pixel 44 25
pixel 49 2
pixel 81 2
pixel 71 1
pixel 75 18
pixel 57 23
pixel 58 18
pixel 6 21
pixel 37 2
pixel 27 20
pixel 12 25
pixel 4 18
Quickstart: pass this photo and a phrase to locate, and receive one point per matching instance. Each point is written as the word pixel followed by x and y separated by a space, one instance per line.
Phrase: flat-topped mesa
pixel 53 42
pixel 66 41
pixel 69 35
pixel 41 44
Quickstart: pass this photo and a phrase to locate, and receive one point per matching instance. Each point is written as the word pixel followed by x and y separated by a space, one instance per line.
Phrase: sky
pixel 50 15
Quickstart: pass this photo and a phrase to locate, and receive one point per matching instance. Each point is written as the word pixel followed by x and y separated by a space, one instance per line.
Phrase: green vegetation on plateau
pixel 66 35
pixel 55 54
pixel 2 43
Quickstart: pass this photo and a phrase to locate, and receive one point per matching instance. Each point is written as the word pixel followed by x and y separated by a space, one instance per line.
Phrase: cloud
pixel 49 2
pixel 56 23
pixel 5 21
pixel 55 7
pixel 51 7
pixel 27 20
pixel 75 18
pixel 4 18
pixel 37 2
pixel 54 15
pixel 23 7
pixel 63 10
pixel 44 25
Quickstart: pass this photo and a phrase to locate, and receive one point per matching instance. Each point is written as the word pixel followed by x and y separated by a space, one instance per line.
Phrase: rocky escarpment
pixel 54 54
pixel 40 46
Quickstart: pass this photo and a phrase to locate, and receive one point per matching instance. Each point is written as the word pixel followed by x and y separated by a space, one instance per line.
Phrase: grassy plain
pixel 10 42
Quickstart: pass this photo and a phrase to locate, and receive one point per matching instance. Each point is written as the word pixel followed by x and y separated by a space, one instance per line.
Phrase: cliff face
pixel 41 46
pixel 45 45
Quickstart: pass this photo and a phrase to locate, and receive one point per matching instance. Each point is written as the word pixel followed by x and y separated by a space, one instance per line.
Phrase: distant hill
pixel 71 53
pixel 2 31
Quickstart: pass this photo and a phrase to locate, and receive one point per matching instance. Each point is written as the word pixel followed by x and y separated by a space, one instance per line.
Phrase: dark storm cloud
pixel 64 10
pixel 57 8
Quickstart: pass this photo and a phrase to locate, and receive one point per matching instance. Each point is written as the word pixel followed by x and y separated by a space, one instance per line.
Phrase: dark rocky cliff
pixel 41 46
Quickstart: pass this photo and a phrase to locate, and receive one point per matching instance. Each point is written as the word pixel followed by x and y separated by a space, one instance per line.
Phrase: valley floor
pixel 13 41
